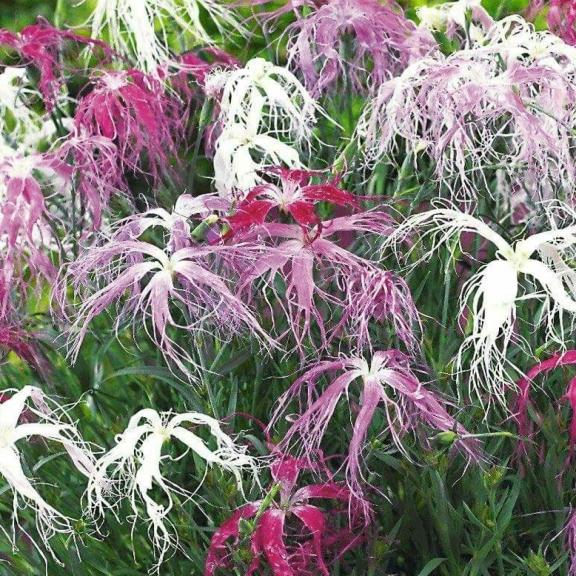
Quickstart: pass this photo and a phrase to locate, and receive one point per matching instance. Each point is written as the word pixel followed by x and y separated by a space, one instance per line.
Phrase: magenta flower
pixel 292 537
pixel 41 46
pixel 137 114
pixel 561 19
pixel 508 104
pixel 320 279
pixel 387 381
pixel 522 403
pixel 17 340
pixel 295 195
pixel 160 292
pixel 378 50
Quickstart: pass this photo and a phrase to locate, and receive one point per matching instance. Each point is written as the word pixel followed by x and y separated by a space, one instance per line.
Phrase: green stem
pixel 59 13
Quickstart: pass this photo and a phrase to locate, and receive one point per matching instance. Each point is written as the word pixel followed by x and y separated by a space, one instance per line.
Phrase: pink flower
pixel 295 196
pixel 41 45
pixel 321 282
pixel 154 289
pixel 561 19
pixel 571 542
pixel 387 381
pixel 137 114
pixel 378 48
pixel 23 211
pixel 525 427
pixel 292 537
pixel 505 105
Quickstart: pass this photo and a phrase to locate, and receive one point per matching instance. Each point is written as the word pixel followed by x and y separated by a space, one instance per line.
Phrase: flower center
pixel 163 433
pixel 114 81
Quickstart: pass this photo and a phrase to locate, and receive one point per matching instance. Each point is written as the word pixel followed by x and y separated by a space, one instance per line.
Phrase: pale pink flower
pixel 507 105
pixel 96 170
pixel 364 41
pixel 387 381
pixel 270 18
pixel 23 211
pixel 188 212
pixel 152 288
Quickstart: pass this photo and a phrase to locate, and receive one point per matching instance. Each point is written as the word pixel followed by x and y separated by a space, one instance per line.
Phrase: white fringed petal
pixel 48 424
pixel 493 292
pixel 132 468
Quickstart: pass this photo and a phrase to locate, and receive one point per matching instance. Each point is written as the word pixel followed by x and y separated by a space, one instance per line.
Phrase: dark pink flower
pixel 387 381
pixel 366 41
pixel 17 340
pixel 136 112
pixel 295 195
pixel 320 281
pixel 561 19
pixel 523 401
pixel 292 536
pixel 41 46
pixel 201 63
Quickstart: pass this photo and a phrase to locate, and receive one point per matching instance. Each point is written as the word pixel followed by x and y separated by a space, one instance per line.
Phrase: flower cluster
pixel 205 214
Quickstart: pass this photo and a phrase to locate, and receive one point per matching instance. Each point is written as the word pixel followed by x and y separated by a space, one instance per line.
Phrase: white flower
pixel 235 168
pixel 20 125
pixel 463 15
pixel 289 108
pixel 137 28
pixel 45 423
pixel 135 464
pixel 493 292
